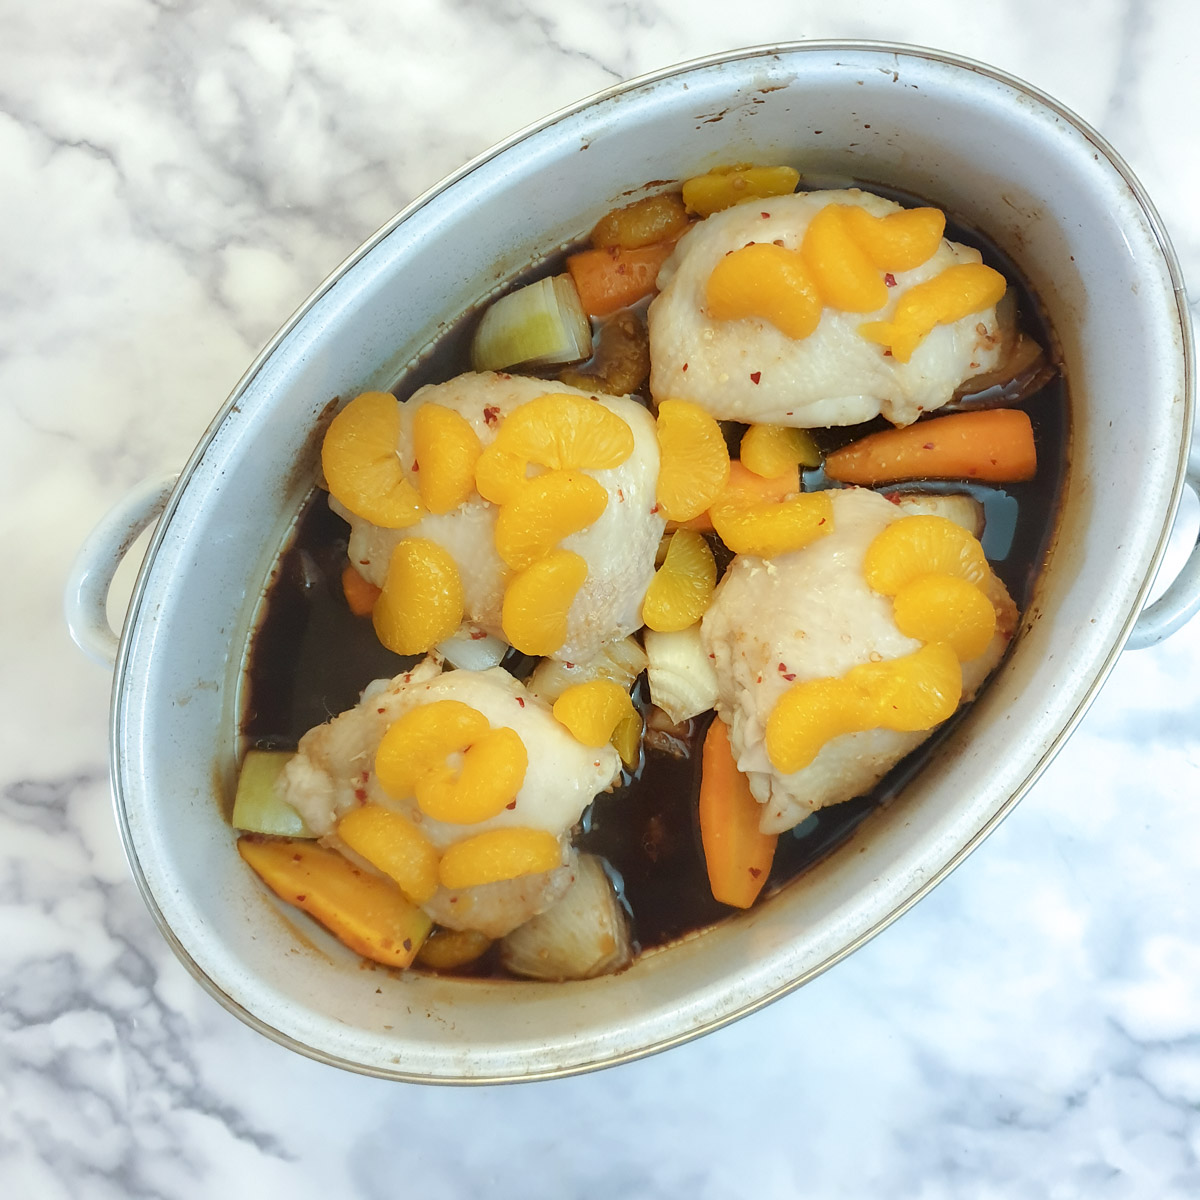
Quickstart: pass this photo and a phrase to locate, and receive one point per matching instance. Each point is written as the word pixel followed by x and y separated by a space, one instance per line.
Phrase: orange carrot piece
pixel 737 855
pixel 994 445
pixel 360 594
pixel 755 488
pixel 610 278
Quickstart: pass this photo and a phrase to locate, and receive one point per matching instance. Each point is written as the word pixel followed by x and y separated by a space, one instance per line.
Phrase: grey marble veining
pixel 177 177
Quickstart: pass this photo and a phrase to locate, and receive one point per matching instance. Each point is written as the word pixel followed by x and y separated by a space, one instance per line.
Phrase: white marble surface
pixel 176 178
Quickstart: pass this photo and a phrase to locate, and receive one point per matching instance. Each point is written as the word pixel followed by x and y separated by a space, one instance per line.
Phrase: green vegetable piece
pixel 256 807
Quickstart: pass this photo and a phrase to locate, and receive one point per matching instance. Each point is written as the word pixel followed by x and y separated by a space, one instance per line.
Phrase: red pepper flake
pixel 297 858
pixel 654 509
pixel 927 446
pixel 620 495
pixel 364 562
pixel 381 710
pixel 477 635
pixel 521 701
pixel 300 899
pixel 755 376
pixel 887 354
pixel 491 414
pixel 360 794
pixel 416 465
pixel 777 242
pixel 755 872
pixel 408 943
pixel 453 899
pixel 791 678
pixel 890 279
pixel 511 805
pixel 764 215
pixel 782 668
pixel 569 666
pixel 684 367
pixel 894 497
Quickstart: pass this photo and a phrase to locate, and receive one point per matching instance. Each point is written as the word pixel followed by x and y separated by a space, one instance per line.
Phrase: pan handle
pixel 1181 601
pixel 85 599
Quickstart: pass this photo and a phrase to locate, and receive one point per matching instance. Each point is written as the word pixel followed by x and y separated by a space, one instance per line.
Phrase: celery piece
pixel 537 325
pixel 256 807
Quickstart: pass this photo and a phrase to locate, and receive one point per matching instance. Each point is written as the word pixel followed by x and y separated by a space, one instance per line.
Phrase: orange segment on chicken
pixel 900 241
pixel 391 842
pixel 769 529
pixel 768 282
pixel 422 738
pixel 949 296
pixel 543 512
pixel 944 608
pixel 490 774
pixel 694 459
pixel 446 449
pixel 421 603
pixel 361 462
pixel 538 599
pixel 683 586
pixel 922 545
pixel 558 431
pixel 845 277
pixel 499 854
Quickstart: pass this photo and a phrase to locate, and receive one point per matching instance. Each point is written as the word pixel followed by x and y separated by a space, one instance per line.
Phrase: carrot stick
pixel 737 855
pixel 994 445
pixel 610 278
pixel 360 594
pixel 755 489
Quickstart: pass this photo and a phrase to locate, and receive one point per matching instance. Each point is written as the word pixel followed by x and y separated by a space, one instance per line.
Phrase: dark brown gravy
pixel 310 658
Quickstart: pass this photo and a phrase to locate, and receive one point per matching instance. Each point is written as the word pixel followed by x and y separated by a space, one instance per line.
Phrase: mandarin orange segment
pixel 768 282
pixel 949 296
pixel 562 430
pixel 944 608
pixel 538 600
pixel 421 603
pixel 901 240
pixel 627 739
pixel 769 529
pixel 808 715
pixel 545 510
pixel 449 949
pixel 845 277
pixel 390 841
pixel 773 450
pixel 360 458
pixel 446 449
pixel 723 187
pixel 682 588
pixel 911 693
pixel 500 474
pixel 499 854
pixel 423 738
pixel 693 459
pixel 592 711
pixel 489 776
pixel 922 545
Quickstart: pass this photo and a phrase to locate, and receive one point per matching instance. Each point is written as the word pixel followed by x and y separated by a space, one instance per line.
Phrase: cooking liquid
pixel 310 657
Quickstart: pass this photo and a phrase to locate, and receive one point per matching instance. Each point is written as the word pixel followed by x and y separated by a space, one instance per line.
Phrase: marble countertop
pixel 177 177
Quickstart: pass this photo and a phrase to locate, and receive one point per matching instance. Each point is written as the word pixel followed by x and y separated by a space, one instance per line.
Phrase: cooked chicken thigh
pixel 333 771
pixel 619 547
pixel 748 370
pixel 810 615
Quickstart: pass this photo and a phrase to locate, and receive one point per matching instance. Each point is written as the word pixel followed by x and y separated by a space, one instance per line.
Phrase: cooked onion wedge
pixel 682 680
pixel 583 935
pixel 538 325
